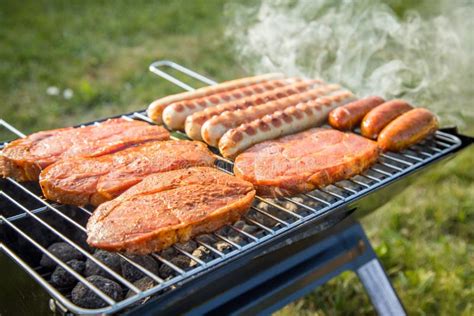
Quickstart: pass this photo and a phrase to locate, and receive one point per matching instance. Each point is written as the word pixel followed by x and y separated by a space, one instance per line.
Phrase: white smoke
pixel 366 47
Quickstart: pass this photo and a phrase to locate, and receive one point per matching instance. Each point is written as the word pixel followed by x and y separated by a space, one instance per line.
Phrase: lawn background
pixel 101 51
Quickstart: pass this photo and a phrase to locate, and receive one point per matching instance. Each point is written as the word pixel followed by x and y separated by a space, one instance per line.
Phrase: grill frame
pixel 271 242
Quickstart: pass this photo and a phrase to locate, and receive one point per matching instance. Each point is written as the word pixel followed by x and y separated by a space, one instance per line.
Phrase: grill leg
pixel 379 288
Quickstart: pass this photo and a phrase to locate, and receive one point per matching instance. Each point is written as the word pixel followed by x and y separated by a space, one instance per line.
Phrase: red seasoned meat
pixel 81 181
pixel 23 159
pixel 304 161
pixel 169 207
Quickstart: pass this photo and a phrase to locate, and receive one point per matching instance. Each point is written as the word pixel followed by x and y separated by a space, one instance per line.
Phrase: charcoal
pixel 133 274
pixel 63 251
pixel 165 272
pixel 237 239
pixel 143 284
pixel 239 224
pixel 180 261
pixel 207 239
pixel 110 259
pixel 168 253
pixel 250 229
pixel 84 297
pixel 63 279
pixel 202 253
pixel 188 246
pixel 262 219
pixel 222 246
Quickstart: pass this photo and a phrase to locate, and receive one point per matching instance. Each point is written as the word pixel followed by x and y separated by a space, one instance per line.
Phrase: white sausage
pixel 214 128
pixel 156 108
pixel 291 120
pixel 195 121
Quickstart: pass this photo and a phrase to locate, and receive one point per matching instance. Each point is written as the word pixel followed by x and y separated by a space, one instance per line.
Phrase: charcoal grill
pixel 295 244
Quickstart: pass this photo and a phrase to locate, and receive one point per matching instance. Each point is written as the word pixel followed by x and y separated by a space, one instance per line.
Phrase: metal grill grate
pixel 30 222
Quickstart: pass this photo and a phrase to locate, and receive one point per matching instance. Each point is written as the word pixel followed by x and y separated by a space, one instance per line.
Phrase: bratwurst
pixel 379 117
pixel 407 129
pixel 348 116
pixel 156 108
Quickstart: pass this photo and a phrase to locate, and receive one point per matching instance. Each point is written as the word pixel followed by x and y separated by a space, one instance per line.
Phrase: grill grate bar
pixel 381 171
pixel 211 248
pixel 412 157
pixel 243 233
pixel 345 188
pixel 79 277
pixel 279 207
pixel 331 193
pixel 227 240
pixel 360 183
pixel 270 216
pixel 74 245
pixel 300 204
pixel 317 199
pixel 168 263
pixel 189 255
pixel 396 159
pixel 265 228
pixel 390 166
pixel 47 204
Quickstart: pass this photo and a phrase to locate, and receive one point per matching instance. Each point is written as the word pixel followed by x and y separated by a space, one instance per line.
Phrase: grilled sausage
pixel 407 129
pixel 348 116
pixel 174 115
pixel 379 117
pixel 156 108
pixel 291 120
pixel 213 129
pixel 195 121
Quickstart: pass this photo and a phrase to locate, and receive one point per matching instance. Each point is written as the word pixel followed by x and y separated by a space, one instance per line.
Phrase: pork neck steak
pixel 94 180
pixel 304 161
pixel 169 207
pixel 23 159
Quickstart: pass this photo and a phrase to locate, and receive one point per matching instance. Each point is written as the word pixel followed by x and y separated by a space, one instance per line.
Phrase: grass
pixel 101 50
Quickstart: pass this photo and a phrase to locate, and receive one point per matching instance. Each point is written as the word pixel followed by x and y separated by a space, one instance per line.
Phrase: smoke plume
pixel 366 47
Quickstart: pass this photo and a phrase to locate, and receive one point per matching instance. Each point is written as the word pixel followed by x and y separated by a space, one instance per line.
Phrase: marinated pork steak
pixel 302 162
pixel 81 181
pixel 169 207
pixel 23 159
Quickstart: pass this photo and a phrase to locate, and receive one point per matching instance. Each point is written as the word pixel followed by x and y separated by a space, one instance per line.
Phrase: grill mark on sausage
pixel 282 88
pixel 313 108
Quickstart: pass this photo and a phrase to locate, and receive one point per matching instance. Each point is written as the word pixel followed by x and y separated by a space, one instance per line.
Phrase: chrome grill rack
pixel 29 223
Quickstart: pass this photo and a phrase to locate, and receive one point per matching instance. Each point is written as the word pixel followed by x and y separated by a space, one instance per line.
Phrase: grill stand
pixel 262 286
pixel 326 260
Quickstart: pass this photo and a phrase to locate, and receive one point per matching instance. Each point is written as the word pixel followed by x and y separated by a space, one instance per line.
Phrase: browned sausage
pixel 346 117
pixel 407 129
pixel 379 117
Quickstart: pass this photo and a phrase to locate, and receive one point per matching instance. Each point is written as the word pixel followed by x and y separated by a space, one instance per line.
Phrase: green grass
pixel 101 50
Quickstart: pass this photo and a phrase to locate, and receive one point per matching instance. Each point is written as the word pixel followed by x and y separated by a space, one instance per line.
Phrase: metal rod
pixel 270 215
pixel 317 199
pixel 278 207
pixel 243 233
pixel 11 128
pixel 155 68
pixel 189 255
pixel 74 245
pixel 169 263
pixel 91 286
pixel 386 155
